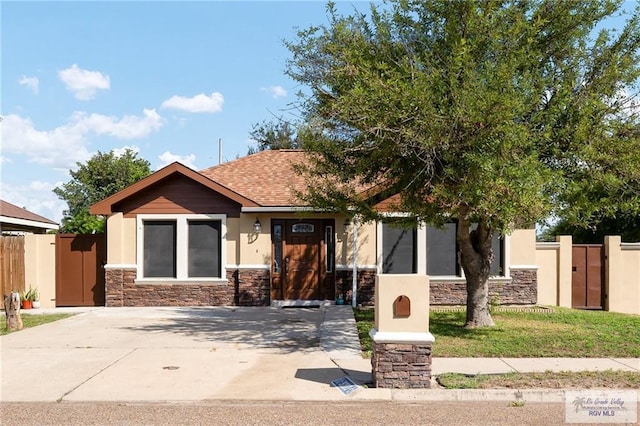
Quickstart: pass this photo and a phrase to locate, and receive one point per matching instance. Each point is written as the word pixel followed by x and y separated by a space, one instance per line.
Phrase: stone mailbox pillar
pixel 401 339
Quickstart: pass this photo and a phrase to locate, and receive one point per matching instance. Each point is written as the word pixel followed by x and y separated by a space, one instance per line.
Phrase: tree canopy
pixel 625 224
pixel 102 175
pixel 280 134
pixel 499 113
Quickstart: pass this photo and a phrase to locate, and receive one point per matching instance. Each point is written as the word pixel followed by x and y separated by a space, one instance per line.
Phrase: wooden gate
pixel 587 277
pixel 11 264
pixel 79 269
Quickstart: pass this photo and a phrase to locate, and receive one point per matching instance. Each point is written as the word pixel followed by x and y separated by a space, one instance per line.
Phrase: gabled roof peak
pixel 105 206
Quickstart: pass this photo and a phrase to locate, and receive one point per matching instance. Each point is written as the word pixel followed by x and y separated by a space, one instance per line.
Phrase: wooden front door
pixel 303 259
pixel 587 276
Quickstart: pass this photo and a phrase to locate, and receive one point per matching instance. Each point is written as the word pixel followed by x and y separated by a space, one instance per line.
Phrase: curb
pixel 469 395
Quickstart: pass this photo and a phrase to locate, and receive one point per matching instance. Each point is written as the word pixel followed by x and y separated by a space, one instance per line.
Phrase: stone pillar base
pixel 401 360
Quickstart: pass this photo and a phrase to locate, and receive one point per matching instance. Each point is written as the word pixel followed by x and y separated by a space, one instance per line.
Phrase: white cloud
pixel 84 83
pixel 37 197
pixel 65 145
pixel 38 185
pixel 61 147
pixel 127 127
pixel 31 82
pixel 168 158
pixel 276 91
pixel 198 103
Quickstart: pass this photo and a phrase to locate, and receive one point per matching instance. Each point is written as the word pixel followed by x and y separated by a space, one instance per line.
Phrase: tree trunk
pixel 476 256
pixel 12 310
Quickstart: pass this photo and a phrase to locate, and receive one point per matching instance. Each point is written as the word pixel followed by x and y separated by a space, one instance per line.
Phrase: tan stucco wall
pixel 366 244
pixel 244 247
pixel 40 266
pixel 388 288
pixel 121 240
pixel 522 247
pixel 547 261
pixel 255 249
pixel 622 272
pixel 554 272
pixel 564 271
pixel 344 242
pixel 233 240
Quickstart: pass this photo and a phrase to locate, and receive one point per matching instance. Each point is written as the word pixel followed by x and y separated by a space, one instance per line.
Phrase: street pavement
pixel 200 354
pixel 308 413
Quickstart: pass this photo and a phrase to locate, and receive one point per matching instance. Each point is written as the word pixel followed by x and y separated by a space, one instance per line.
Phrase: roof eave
pixel 279 209
pixel 28 223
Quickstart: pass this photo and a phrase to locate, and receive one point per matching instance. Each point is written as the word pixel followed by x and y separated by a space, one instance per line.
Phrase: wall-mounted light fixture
pixel 257 226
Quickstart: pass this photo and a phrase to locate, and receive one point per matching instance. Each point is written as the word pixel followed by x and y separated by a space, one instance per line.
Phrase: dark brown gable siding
pixel 178 195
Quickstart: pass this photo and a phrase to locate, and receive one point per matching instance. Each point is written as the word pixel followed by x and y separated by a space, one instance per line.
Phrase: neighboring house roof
pixel 14 218
pixel 266 177
pixel 106 206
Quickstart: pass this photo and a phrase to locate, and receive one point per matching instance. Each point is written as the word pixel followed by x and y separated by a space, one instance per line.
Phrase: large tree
pixel 495 113
pixel 102 175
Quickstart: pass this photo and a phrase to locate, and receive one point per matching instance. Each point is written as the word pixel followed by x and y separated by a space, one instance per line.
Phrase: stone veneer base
pixel 244 287
pixel 402 364
pixel 250 287
pixel 366 286
pixel 520 289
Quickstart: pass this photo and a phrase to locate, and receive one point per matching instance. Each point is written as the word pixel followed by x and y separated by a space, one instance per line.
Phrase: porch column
pixel 401 339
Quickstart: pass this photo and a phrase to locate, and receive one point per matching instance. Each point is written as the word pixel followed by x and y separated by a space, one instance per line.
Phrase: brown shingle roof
pixel 10 210
pixel 266 177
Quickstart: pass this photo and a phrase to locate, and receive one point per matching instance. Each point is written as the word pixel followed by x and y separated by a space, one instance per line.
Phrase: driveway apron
pixel 184 354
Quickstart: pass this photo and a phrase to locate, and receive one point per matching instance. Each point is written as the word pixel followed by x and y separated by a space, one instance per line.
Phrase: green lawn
pixel 558 333
pixel 32 320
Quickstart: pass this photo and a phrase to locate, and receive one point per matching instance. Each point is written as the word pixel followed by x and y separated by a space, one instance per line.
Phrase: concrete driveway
pixel 184 354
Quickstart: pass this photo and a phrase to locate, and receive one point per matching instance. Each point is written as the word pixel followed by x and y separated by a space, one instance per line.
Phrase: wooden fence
pixel 12 263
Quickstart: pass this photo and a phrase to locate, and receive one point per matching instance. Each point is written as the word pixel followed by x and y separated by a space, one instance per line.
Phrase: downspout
pixel 354 285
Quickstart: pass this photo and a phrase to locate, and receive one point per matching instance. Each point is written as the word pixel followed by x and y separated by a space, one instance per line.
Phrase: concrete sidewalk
pixel 199 354
pixel 531 365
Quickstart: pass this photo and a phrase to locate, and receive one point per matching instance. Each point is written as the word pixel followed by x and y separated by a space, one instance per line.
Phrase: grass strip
pixel 562 333
pixel 544 380
pixel 32 321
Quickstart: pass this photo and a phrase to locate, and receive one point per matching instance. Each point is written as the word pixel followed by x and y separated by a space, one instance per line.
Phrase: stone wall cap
pixel 401 337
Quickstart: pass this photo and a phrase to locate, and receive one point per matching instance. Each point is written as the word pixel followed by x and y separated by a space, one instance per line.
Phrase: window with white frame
pixel 181 247
pixel 442 252
pixel 429 249
pixel 398 250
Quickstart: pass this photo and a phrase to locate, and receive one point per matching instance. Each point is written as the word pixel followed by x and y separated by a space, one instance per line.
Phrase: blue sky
pixel 168 79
